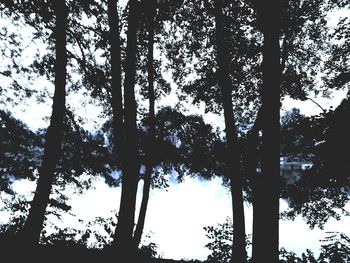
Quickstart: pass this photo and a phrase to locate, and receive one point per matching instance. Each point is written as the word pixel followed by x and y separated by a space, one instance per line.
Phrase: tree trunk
pixel 233 149
pixel 256 181
pixel 117 103
pixel 152 129
pixel 54 135
pixel 265 246
pixel 124 230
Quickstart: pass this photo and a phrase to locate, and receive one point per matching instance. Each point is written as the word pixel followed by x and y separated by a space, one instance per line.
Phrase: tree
pixel 150 13
pixel 154 14
pixel 124 231
pixel 220 37
pixel 54 135
pixel 233 152
pixel 297 23
pixel 82 153
pixel 322 191
pixel 20 151
pixel 116 101
pixel 265 232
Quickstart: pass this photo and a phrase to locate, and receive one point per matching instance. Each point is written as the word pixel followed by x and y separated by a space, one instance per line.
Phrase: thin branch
pixel 251 152
pixel 70 115
pixel 83 60
pixel 316 104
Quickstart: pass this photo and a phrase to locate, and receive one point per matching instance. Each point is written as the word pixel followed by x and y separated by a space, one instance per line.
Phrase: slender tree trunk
pixel 259 216
pixel 256 182
pixel 233 149
pixel 152 129
pixel 265 246
pixel 124 230
pixel 117 103
pixel 54 135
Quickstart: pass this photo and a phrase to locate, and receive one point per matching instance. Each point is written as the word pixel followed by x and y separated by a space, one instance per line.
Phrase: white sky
pixel 309 108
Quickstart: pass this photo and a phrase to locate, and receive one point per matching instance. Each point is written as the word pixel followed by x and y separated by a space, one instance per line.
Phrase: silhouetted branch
pixel 81 61
pixel 316 104
pixel 251 159
pixel 76 127
pixel 77 40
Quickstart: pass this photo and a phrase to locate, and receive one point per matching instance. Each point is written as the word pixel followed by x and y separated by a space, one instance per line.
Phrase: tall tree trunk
pixel 54 135
pixel 117 103
pixel 256 182
pixel 233 149
pixel 124 230
pixel 152 129
pixel 265 246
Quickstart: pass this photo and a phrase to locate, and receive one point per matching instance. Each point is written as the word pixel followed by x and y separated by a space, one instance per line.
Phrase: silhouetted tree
pixel 130 168
pixel 54 135
pixel 150 13
pixel 116 89
pixel 216 37
pixel 325 184
pixel 154 13
pixel 233 152
pixel 265 232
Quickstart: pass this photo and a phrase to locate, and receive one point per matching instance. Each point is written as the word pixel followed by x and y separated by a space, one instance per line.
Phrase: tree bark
pixel 152 129
pixel 54 135
pixel 124 231
pixel 117 101
pixel 233 149
pixel 266 228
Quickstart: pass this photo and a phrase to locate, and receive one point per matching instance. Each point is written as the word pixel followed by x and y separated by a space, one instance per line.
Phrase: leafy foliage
pixel 290 257
pixel 322 191
pixel 336 249
pixel 337 66
pixel 21 150
pixel 220 244
pixel 221 241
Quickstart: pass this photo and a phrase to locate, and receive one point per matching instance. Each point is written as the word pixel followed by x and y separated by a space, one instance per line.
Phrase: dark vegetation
pixel 240 59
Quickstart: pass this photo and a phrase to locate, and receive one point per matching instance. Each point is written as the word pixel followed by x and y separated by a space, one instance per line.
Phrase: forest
pixel 151 92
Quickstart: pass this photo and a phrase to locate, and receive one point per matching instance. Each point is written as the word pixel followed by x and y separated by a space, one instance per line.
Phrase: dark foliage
pixel 322 191
pixel 21 150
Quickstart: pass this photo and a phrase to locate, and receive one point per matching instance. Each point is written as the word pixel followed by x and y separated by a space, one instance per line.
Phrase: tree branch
pixel 316 104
